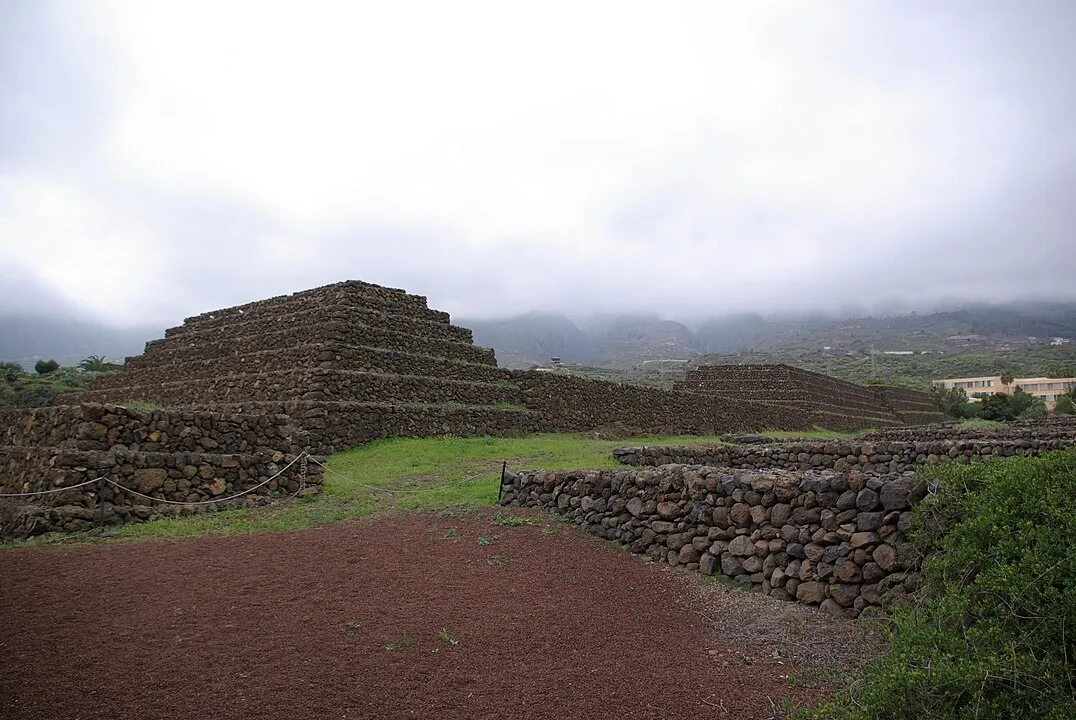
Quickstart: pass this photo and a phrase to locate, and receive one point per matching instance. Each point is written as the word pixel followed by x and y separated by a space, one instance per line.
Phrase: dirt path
pixel 316 625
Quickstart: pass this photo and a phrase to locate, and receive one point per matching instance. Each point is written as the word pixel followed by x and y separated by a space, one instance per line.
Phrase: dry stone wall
pixel 819 537
pixel 346 332
pixel 109 427
pixel 315 384
pixel 347 343
pixel 829 402
pixel 912 407
pixel 350 293
pixel 179 456
pixel 330 355
pixel 578 404
pixel 855 456
pixel 331 427
pixel 1054 427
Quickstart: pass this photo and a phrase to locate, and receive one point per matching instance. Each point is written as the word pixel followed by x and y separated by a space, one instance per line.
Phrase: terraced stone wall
pixel 326 355
pixel 878 457
pixel 912 407
pixel 822 538
pixel 577 404
pixel 1053 427
pixel 350 332
pixel 315 384
pixel 331 427
pixel 180 456
pixel 361 295
pixel 111 427
pixel 828 402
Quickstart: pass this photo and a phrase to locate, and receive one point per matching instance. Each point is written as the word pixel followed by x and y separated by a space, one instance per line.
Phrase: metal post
pixel 100 507
pixel 500 488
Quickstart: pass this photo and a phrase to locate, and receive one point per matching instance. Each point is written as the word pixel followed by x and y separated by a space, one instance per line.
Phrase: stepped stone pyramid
pixel 351 362
pixel 823 401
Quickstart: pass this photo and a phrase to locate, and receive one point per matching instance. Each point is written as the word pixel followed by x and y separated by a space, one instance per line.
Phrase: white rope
pixel 399 490
pixel 215 500
pixel 53 490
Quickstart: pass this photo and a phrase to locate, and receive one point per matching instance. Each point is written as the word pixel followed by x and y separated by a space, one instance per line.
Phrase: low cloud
pixel 687 161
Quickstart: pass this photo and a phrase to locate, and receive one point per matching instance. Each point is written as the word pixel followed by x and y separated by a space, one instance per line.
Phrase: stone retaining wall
pixel 179 477
pixel 576 404
pixel 353 293
pixel 184 455
pixel 827 398
pixel 856 456
pixel 1054 427
pixel 332 426
pixel 314 315
pixel 310 384
pixel 110 427
pixel 911 406
pixel 819 537
pixel 347 332
pixel 330 355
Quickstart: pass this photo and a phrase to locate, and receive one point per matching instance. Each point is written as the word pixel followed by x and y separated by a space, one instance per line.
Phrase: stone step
pixel 336 426
pixel 349 332
pixel 332 355
pixel 307 384
pixel 316 315
pixel 106 427
pixel 349 293
pixel 864 404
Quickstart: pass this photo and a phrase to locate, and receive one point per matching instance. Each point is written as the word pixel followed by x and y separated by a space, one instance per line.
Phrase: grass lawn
pixel 403 474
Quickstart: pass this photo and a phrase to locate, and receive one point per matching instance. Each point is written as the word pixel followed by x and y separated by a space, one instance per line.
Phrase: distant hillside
pixel 628 341
pixel 25 339
pixel 605 341
pixel 529 339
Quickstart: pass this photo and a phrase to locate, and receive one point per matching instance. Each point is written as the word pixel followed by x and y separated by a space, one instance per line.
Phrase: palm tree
pixel 95 363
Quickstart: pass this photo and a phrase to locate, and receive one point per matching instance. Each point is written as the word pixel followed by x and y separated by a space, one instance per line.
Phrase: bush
pixel 44 367
pixel 993 634
pixel 1001 406
pixel 1065 406
pixel 954 402
pixel 10 371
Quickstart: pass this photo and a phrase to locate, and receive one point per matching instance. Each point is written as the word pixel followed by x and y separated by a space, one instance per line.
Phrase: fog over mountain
pixel 690 159
pixel 627 340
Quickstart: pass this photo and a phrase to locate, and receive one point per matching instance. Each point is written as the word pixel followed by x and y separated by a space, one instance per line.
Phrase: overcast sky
pixel 161 159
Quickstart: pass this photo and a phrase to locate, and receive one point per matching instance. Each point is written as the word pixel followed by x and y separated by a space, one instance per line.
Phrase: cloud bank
pixel 158 160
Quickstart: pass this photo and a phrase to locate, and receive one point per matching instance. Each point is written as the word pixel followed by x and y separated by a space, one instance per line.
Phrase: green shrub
pixel 44 367
pixel 10 371
pixel 953 402
pixel 1001 406
pixel 1065 406
pixel 994 633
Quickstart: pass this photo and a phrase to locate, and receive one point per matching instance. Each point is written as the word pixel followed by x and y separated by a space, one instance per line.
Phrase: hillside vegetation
pixel 625 341
pixel 991 633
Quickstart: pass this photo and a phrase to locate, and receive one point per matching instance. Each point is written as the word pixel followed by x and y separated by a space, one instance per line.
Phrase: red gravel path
pixel 295 625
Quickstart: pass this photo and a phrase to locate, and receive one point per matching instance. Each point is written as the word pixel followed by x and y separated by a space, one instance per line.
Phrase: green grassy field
pixel 403 474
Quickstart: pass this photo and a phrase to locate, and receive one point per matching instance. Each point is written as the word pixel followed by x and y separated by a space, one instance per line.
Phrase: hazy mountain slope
pixel 630 340
pixel 531 339
pixel 625 341
pixel 25 338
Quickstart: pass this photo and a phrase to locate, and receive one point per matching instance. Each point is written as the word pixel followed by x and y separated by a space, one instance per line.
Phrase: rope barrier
pixel 110 481
pixel 303 458
pixel 214 500
pixel 53 490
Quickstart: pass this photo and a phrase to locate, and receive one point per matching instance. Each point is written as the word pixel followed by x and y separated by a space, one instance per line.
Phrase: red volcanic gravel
pixel 300 625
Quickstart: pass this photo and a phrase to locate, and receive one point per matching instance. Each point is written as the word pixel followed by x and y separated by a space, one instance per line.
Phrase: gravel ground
pixel 403 616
